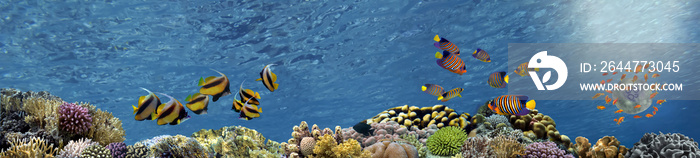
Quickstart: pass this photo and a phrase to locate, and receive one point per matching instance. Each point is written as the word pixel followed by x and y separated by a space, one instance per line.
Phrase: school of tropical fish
pixel 149 106
pixel 449 60
pixel 637 69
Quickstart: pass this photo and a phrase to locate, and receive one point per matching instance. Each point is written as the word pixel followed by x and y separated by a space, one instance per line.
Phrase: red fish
pixel 597 95
pixel 654 112
pixel 609 91
pixel 615 101
pixel 659 102
pixel 655 108
pixel 637 106
pixel 637 116
pixel 649 115
pixel 601 107
pixel 618 111
pixel 653 95
pixel 607 99
pixel 646 77
pixel 614 73
pixel 602 82
pixel 451 62
pixel 623 76
pixel 605 74
pixel 638 69
pixel 446 45
pixel 609 80
pixel 655 75
pixel 634 79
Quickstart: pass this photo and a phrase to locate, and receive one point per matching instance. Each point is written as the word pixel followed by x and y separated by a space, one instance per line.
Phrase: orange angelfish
pixel 615 101
pixel 607 100
pixel 623 76
pixel 614 73
pixel 655 108
pixel 637 116
pixel 646 77
pixel 655 75
pixel 637 106
pixel 618 111
pixel 609 80
pixel 653 95
pixel 634 79
pixel 601 107
pixel 649 115
pixel 602 82
pixel 659 102
pixel 638 69
pixel 597 95
pixel 605 74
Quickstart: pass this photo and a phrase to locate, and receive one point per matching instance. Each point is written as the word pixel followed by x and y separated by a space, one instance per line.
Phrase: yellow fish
pixel 249 95
pixel 450 94
pixel 249 111
pixel 148 106
pixel 268 78
pixel 215 86
pixel 172 112
pixel 198 103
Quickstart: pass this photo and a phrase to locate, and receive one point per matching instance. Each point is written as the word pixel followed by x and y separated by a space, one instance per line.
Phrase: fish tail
pixel 438 55
pixel 423 88
pixel 530 104
pixel 506 78
pixel 440 97
pixel 436 38
pixel 135 109
pixel 276 85
pixel 154 116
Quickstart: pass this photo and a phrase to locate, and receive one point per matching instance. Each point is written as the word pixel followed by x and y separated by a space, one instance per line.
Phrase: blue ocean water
pixel 338 62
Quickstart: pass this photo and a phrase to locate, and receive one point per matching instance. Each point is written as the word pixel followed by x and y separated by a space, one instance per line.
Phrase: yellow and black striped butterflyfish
pixel 215 86
pixel 197 103
pixel 172 112
pixel 249 95
pixel 148 106
pixel 249 111
pixel 268 78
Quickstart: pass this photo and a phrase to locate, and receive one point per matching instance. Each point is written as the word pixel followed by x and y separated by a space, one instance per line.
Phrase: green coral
pixel 447 141
pixel 96 151
pixel 413 140
pixel 237 141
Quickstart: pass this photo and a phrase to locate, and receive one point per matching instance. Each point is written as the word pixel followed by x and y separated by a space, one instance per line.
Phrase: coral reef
pixel 504 146
pixel 413 140
pixel 606 147
pixel 327 147
pixel 179 146
pixel 74 148
pixel 539 126
pixel 386 149
pixel 422 117
pixel 117 149
pixel 96 151
pixel 237 141
pixel 477 147
pixel 664 145
pixel 388 130
pixel 447 141
pixel 137 150
pixel 153 141
pixel 34 147
pixel 545 150
pixel 73 118
pixel 293 145
pixel 484 110
pixel 105 127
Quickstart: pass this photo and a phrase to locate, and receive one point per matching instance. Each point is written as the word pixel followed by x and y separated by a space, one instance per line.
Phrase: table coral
pixel 664 145
pixel 73 118
pixel 545 150
pixel 447 141
pixel 237 141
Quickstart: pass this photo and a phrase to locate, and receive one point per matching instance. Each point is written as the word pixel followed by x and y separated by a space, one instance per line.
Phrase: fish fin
pixel 475 51
pixel 209 78
pixel 189 98
pixel 440 97
pixel 274 77
pixel 249 91
pixel 459 95
pixel 530 104
pixel 436 38
pixel 141 99
pixel 154 116
pixel 259 79
pixel 506 78
pixel 438 55
pixel 257 95
pixel 423 88
pixel 201 81
pixel 275 85
pixel 135 109
pixel 488 60
pixel 522 98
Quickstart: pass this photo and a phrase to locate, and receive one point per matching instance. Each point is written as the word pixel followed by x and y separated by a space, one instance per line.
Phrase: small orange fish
pixel 653 87
pixel 638 69
pixel 614 73
pixel 623 76
pixel 615 101
pixel 655 108
pixel 634 79
pixel 618 111
pixel 659 102
pixel 655 75
pixel 609 91
pixel 602 82
pixel 597 95
pixel 601 107
pixel 619 120
pixel 607 99
pixel 612 69
pixel 605 74
pixel 654 112
pixel 637 106
pixel 628 70
pixel 646 77
pixel 637 116
pixel 609 80
pixel 653 95
pixel 649 115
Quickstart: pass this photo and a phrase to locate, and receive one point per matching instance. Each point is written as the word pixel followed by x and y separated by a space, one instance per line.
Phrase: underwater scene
pixel 341 79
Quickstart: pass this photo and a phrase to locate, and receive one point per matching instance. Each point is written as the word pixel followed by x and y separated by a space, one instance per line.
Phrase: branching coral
pixel 73 118
pixel 504 146
pixel 96 151
pixel 137 150
pixel 74 148
pixel 293 145
pixel 545 150
pixel 664 145
pixel 237 141
pixel 446 141
pixel 117 149
pixel 105 127
pixel 180 146
pixel 478 147
pixel 34 147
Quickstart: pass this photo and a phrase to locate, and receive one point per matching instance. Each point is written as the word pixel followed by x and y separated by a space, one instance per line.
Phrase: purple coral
pixel 74 118
pixel 388 130
pixel 118 149
pixel 545 149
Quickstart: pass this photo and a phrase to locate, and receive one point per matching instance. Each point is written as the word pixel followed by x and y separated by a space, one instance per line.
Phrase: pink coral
pixel 546 150
pixel 74 118
pixel 390 130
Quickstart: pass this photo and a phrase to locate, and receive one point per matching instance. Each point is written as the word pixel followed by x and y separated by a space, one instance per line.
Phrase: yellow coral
pixel 42 112
pixel 236 141
pixel 507 147
pixel 324 146
pixel 36 147
pixel 349 148
pixel 105 127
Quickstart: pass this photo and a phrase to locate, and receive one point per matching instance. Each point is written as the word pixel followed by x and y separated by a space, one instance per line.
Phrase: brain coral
pixel 664 145
pixel 73 118
pixel 447 141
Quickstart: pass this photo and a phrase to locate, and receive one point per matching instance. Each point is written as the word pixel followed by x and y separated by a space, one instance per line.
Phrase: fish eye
pixel 539 61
